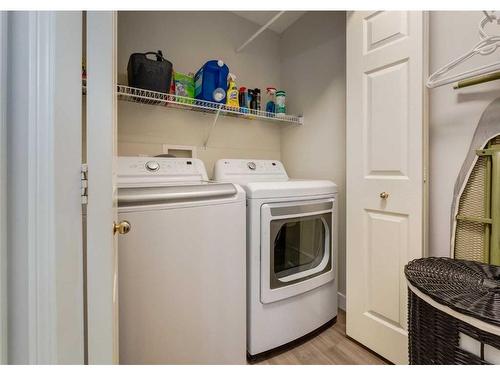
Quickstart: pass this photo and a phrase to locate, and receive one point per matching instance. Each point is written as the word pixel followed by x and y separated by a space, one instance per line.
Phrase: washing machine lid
pixel 158 171
pixel 290 188
pixel 158 181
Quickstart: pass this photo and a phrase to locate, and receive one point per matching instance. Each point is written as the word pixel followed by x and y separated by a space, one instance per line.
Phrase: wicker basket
pixel 453 312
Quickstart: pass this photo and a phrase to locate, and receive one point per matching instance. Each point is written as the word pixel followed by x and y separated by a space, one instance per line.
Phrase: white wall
pixel 313 75
pixel 188 40
pixel 454 115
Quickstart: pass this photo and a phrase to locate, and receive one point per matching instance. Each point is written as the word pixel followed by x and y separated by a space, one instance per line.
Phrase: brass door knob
pixel 123 227
pixel 384 195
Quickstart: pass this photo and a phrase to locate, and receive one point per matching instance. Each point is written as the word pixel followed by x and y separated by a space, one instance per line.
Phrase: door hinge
pixel 85 183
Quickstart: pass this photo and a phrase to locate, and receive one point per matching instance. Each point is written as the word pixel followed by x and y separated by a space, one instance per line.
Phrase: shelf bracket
pixel 212 127
pixel 260 31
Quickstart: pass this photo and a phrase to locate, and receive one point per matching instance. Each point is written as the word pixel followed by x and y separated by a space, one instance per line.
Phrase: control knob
pixel 152 166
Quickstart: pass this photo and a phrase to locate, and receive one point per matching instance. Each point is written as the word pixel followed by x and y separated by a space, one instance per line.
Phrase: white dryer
pixel 182 266
pixel 291 253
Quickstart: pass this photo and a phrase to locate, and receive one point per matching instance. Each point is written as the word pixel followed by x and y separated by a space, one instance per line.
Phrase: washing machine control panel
pixel 259 170
pixel 161 169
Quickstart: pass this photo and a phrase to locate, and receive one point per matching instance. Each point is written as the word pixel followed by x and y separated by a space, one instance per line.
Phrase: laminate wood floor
pixel 330 347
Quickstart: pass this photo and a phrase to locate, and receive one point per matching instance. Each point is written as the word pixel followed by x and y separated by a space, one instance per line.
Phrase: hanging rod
pixel 477 80
pixel 258 32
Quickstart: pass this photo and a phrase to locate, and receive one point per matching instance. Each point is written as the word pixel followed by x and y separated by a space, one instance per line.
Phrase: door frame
pixel 3 188
pixel 45 314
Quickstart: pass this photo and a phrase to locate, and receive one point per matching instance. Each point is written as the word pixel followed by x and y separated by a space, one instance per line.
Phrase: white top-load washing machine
pixel 291 253
pixel 182 267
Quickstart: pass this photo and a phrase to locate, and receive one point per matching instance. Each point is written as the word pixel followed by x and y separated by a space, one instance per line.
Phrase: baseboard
pixel 341 300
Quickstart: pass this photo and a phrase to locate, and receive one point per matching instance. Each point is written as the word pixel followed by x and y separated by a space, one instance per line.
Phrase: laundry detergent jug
pixel 210 82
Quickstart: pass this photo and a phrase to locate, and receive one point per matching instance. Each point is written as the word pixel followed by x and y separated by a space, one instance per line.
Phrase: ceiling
pixel 262 17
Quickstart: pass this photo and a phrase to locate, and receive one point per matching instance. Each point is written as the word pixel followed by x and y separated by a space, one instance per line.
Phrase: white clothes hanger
pixel 486 46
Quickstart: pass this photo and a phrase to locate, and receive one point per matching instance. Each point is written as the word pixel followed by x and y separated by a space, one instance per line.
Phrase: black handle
pixel 159 55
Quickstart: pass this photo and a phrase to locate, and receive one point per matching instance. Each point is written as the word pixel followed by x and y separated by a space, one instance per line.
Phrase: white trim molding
pixel 3 187
pixel 341 301
pixel 41 257
pixel 45 286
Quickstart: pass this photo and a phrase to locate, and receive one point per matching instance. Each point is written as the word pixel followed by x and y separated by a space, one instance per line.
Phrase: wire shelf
pixel 137 95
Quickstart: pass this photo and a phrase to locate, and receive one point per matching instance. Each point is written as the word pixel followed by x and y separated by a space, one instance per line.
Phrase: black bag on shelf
pixel 148 74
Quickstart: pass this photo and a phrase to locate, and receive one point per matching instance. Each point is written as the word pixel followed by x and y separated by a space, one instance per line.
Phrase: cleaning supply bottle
pixel 210 82
pixel 243 99
pixel 257 98
pixel 232 92
pixel 280 103
pixel 252 103
pixel 271 105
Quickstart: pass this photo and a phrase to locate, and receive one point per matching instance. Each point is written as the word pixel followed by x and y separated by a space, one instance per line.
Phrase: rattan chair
pixel 453 312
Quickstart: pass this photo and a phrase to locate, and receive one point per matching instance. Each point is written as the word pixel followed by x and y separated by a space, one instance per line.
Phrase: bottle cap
pixel 243 89
pixel 220 63
pixel 219 94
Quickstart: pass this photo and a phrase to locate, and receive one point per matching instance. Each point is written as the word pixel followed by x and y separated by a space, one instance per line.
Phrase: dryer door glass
pixel 300 248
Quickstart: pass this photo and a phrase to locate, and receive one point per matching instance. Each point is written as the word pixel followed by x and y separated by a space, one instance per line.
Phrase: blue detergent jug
pixel 210 82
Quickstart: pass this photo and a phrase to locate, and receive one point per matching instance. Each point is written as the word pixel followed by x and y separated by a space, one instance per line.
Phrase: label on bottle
pixel 233 95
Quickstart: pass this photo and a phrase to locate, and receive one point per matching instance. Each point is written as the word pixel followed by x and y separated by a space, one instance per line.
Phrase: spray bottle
pixel 232 92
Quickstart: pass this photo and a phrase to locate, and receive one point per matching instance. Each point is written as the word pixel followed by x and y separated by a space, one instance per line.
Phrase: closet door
pixel 102 246
pixel 386 133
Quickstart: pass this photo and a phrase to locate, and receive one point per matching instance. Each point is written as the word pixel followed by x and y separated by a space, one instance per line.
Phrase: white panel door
pixel 386 130
pixel 102 293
